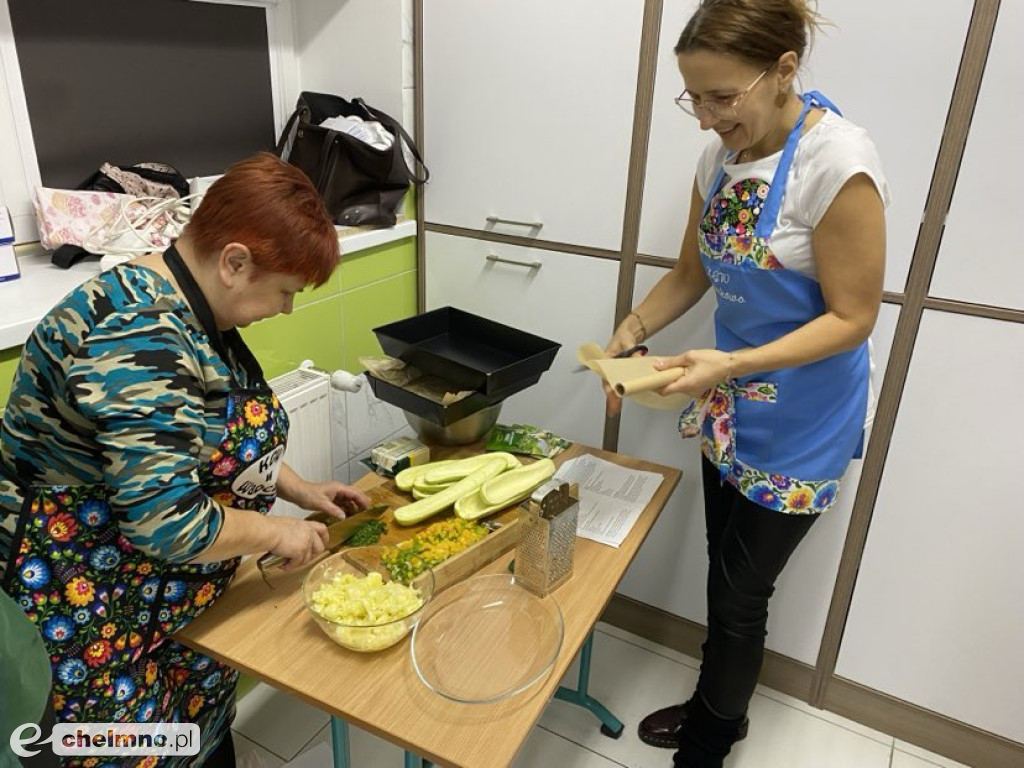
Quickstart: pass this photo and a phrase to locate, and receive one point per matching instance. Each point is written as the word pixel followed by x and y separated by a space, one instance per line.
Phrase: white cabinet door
pixel 937 617
pixel 890 67
pixel 569 299
pixel 671 568
pixel 975 262
pixel 674 147
pixel 528 110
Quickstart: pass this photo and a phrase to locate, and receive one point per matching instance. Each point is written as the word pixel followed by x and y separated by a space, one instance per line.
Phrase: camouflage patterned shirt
pixel 119 385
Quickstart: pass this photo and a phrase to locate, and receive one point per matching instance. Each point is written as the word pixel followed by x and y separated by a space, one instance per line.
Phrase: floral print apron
pixel 107 611
pixel 783 438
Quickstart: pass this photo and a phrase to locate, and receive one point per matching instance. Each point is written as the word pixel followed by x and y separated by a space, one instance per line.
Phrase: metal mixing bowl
pixel 462 432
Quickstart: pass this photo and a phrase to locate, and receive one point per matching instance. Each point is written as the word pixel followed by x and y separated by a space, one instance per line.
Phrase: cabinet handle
pixel 499 220
pixel 528 264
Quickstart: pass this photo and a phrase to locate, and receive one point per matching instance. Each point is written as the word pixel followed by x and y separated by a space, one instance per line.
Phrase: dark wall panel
pixel 127 81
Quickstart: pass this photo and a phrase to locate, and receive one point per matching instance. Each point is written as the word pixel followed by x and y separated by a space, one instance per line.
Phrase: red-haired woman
pixel 142 449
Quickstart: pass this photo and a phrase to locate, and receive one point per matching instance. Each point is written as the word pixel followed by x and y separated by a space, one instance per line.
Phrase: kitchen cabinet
pixel 973 266
pixel 673 149
pixel 528 111
pixel 669 573
pixel 936 615
pixel 903 108
pixel 566 298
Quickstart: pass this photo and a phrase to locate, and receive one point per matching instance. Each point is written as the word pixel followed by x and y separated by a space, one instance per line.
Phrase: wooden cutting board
pixel 465 563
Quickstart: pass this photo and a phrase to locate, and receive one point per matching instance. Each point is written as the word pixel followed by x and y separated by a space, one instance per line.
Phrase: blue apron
pixel 789 429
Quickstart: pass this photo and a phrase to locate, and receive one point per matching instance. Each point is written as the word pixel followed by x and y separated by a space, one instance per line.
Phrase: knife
pixel 641 348
pixel 337 532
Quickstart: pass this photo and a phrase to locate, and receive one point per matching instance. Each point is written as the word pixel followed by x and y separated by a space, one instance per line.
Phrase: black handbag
pixel 360 184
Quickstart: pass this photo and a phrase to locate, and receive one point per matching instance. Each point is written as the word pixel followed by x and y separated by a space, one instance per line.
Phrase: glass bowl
pixel 354 620
pixel 486 639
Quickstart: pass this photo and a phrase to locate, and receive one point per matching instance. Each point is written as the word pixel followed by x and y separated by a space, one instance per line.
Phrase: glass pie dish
pixel 485 639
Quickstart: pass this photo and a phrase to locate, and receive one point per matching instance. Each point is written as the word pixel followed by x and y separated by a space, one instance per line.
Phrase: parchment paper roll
pixel 630 386
pixel 634 377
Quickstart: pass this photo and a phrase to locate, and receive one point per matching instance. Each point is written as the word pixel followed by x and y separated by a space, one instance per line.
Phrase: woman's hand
pixel 332 497
pixel 626 336
pixel 702 370
pixel 298 540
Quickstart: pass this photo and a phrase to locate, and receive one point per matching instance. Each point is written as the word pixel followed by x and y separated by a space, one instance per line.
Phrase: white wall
pixel 352 48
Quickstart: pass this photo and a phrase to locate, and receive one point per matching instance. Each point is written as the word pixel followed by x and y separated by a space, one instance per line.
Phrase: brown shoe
pixel 661 728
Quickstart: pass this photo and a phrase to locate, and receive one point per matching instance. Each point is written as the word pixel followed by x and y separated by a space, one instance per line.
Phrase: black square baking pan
pixel 467 350
pixel 434 412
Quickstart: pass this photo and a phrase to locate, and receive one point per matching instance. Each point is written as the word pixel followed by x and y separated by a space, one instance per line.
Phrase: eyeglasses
pixel 720 107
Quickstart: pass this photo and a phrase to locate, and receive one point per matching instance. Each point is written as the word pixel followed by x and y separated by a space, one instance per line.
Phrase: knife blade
pixel 337 532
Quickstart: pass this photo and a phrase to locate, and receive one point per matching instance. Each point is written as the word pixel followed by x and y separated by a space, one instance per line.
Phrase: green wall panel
pixel 376 304
pixel 331 288
pixel 8 363
pixel 312 332
pixel 374 264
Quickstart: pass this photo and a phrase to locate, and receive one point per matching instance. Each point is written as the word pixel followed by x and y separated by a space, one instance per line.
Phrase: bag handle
pixel 287 140
pixel 391 122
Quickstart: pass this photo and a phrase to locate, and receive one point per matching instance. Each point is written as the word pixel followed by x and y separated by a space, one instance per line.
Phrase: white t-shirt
pixel 828 155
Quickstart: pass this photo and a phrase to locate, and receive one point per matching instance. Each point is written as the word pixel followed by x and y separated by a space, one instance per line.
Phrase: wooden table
pixel 269 635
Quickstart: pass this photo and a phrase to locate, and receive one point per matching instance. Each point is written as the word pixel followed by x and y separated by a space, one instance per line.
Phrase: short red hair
pixel 272 208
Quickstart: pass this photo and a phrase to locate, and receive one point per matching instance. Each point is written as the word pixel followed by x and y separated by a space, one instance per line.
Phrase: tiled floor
pixel 273 730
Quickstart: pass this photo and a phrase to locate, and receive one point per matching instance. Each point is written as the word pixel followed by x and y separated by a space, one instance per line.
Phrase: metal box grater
pixel 547 524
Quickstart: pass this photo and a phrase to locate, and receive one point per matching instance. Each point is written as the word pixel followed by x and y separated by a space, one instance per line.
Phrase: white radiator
pixel 306 396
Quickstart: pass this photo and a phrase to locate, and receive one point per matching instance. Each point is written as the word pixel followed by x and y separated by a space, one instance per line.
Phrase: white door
pixel 978 262
pixel 890 67
pixel 937 617
pixel 566 298
pixel 528 110
pixel 673 149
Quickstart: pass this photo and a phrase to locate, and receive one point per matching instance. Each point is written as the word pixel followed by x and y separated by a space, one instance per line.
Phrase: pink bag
pixel 67 217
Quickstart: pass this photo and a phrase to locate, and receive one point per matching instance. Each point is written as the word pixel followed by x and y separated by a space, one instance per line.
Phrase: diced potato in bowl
pixel 364 611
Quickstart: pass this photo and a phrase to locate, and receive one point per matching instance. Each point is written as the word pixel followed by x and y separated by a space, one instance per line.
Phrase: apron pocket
pixel 184 593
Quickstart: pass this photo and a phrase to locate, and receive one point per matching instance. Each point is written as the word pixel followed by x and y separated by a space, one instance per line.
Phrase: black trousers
pixel 748 546
pixel 224 755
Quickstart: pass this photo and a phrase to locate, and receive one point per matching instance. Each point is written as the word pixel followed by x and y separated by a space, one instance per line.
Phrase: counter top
pixel 24 301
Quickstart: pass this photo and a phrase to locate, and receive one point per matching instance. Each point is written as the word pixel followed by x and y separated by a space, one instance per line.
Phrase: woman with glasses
pixel 787 226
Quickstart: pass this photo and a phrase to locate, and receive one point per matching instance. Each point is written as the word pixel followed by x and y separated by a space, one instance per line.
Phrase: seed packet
pixel 526 439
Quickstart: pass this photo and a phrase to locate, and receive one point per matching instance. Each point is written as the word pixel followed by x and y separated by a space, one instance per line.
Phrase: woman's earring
pixel 780 99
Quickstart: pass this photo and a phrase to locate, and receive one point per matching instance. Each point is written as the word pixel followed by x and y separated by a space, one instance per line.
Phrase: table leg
pixel 610 725
pixel 412 760
pixel 339 742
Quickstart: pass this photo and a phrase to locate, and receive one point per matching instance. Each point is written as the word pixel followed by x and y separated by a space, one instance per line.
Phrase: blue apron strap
pixel 818 99
pixel 770 211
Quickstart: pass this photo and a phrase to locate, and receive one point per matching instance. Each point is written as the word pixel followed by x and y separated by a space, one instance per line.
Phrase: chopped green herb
pixel 367 533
